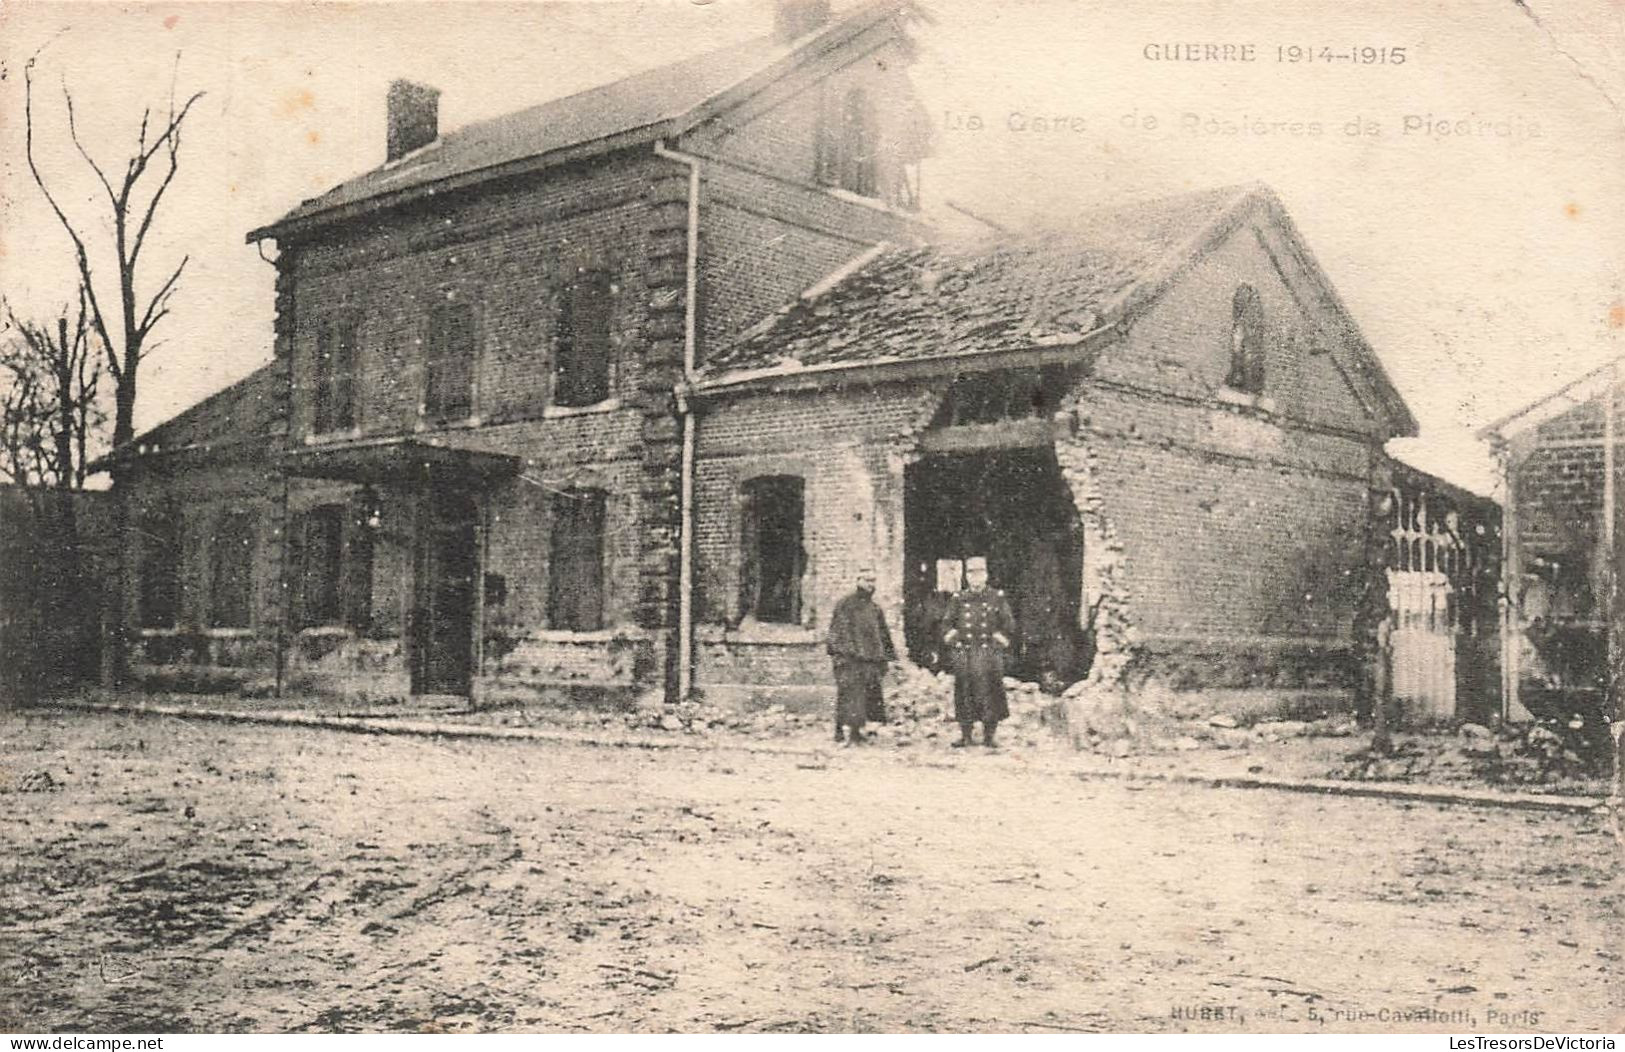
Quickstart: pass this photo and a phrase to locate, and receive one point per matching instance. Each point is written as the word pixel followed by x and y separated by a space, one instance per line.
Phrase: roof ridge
pixel 202 404
pixel 648 104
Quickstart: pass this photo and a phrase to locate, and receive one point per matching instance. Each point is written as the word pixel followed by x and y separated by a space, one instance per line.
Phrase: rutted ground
pixel 164 874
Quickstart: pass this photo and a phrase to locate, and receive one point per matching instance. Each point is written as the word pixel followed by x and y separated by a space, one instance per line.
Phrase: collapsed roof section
pixel 1061 289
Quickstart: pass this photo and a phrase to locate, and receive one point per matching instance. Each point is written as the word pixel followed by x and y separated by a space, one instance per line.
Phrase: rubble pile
pixel 38 782
pixel 1540 754
pixel 1104 719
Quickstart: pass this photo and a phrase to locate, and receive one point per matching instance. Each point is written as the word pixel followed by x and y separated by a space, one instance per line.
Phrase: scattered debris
pixel 38 782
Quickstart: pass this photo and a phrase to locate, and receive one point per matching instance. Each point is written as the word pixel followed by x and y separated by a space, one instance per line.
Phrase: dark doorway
pixel 1012 507
pixel 445 563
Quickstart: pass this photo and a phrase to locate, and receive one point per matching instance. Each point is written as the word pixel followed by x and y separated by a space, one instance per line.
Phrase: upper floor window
pixel 161 568
pixel 575 592
pixel 771 546
pixel 1246 342
pixel 581 358
pixel 231 567
pixel 845 149
pixel 335 375
pixel 448 388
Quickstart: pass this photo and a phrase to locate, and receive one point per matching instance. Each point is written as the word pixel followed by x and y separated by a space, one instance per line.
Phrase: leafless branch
pixel 159 305
pixel 132 216
pixel 51 396
pixel 82 256
pixel 73 133
pixel 172 133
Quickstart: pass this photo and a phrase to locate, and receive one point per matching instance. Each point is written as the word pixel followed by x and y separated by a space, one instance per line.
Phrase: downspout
pixel 284 613
pixel 685 413
pixel 1614 648
pixel 1512 707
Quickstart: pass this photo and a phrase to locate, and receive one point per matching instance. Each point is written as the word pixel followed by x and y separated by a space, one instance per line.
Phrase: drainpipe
pixel 284 614
pixel 1614 674
pixel 685 413
pixel 1509 587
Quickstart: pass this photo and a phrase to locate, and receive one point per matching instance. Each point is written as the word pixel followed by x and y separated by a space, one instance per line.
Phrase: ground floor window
pixel 771 527
pixel 332 569
pixel 231 570
pixel 575 593
pixel 160 588
pixel 320 541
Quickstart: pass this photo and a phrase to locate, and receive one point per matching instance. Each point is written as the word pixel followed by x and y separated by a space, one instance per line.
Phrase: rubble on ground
pixel 919 708
pixel 1513 754
pixel 1106 721
pixel 38 782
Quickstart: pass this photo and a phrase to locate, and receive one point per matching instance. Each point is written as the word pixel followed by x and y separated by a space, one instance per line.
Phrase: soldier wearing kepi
pixel 980 628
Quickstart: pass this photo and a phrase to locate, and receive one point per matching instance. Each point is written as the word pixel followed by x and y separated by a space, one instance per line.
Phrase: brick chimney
pixel 414 117
pixel 796 18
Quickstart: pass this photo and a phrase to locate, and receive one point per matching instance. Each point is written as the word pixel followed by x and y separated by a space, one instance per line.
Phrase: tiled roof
pixel 1006 294
pixel 657 102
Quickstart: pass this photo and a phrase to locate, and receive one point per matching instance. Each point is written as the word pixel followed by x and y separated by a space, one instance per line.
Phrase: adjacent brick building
pixel 540 419
pixel 1562 556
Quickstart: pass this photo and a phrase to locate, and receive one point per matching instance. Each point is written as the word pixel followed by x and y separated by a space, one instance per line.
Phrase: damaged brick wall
pixel 1557 484
pixel 1107 606
pixel 851 447
pixel 1242 519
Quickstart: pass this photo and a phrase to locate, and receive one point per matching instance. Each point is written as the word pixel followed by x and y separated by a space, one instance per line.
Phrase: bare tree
pixel 51 401
pixel 51 398
pixel 131 204
pixel 131 211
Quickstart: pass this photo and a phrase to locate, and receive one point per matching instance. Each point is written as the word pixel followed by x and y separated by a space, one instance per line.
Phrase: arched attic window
pixel 1246 342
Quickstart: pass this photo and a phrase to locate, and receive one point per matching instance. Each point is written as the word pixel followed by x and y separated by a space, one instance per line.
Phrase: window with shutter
pixel 161 569
pixel 582 353
pixel 321 537
pixel 448 392
pixel 231 576
pixel 844 143
pixel 575 599
pixel 335 376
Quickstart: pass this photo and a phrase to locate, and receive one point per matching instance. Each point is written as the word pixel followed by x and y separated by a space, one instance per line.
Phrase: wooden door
pixel 446 564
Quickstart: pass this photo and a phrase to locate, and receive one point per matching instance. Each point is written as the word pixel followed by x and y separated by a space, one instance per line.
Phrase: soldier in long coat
pixel 979 631
pixel 860 646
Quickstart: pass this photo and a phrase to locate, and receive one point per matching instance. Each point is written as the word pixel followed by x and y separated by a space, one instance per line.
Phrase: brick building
pixel 1561 550
pixel 539 416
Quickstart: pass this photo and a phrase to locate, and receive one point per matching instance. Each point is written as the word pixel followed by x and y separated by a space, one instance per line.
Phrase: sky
pixel 1466 202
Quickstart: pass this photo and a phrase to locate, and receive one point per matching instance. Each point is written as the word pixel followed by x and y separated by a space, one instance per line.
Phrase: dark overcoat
pixel 859 645
pixel 980 629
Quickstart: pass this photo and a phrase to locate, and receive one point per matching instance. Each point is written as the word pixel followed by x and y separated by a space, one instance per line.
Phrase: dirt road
pixel 169 875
